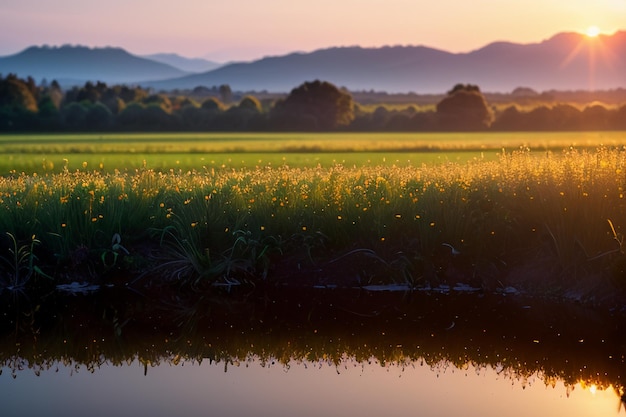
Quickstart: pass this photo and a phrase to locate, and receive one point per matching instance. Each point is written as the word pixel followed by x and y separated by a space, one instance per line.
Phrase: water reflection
pixel 312 352
pixel 191 389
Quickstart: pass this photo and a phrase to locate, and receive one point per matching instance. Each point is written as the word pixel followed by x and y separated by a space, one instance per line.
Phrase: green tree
pixel 316 105
pixel 510 119
pixel 213 104
pixel 248 115
pixel 211 110
pixel 129 94
pixel 17 119
pixel 98 117
pixel 192 117
pixel 565 117
pixel 464 87
pixel 74 116
pixel 49 116
pixel 596 117
pixel 130 118
pixel 114 104
pixel 160 100
pixel 156 118
pixel 226 93
pixel 180 102
pixel 464 108
pixel 54 93
pixel 17 94
pixel 151 117
pixel 91 92
pixel 618 121
pixel 539 118
pixel 250 104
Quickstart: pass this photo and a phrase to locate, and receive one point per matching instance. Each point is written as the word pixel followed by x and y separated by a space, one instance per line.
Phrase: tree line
pixel 313 106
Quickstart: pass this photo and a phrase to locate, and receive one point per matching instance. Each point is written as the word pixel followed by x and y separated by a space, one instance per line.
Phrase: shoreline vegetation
pixel 547 224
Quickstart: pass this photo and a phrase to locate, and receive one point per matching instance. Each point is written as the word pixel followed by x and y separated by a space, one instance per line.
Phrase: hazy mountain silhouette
pixel 183 63
pixel 77 64
pixel 566 61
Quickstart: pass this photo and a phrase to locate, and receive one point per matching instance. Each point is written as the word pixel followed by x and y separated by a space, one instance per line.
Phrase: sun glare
pixel 592 31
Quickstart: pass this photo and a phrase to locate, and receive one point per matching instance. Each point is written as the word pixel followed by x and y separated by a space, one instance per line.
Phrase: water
pixel 308 353
pixel 200 390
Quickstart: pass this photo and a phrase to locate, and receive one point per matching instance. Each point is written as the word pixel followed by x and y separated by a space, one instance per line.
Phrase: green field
pixel 38 153
pixel 40 163
pixel 355 209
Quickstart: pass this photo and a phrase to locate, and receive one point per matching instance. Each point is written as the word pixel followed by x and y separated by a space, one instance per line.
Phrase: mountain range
pixel 183 63
pixel 566 61
pixel 78 64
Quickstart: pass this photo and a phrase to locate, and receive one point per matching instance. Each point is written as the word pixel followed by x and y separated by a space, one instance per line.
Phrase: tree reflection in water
pixel 516 336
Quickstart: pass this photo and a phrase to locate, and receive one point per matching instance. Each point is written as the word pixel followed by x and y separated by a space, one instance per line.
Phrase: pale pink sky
pixel 249 29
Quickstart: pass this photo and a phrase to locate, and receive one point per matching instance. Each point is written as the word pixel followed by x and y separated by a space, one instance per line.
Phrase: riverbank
pixel 549 225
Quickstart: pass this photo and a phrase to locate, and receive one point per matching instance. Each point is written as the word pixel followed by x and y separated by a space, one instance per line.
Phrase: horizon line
pixel 322 48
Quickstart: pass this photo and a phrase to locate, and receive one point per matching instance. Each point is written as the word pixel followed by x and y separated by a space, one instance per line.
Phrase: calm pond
pixel 308 352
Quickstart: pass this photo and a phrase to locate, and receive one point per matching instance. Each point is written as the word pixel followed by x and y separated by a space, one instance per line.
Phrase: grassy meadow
pixel 107 152
pixel 543 213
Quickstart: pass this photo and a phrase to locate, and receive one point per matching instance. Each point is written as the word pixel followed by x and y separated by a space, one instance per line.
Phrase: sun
pixel 592 31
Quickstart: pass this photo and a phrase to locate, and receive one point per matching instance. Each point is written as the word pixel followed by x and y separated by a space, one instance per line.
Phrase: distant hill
pixel 185 64
pixel 566 61
pixel 78 64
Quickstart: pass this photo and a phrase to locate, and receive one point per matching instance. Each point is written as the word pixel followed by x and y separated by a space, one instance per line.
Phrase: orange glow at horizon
pixel 595 49
pixel 592 31
pixel 284 26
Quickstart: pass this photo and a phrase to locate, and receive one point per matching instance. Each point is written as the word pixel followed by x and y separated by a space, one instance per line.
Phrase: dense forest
pixel 26 106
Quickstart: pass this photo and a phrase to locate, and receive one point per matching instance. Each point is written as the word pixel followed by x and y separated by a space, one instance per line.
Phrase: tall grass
pixel 547 222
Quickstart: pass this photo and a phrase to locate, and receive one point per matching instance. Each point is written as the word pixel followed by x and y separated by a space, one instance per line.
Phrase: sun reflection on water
pixel 305 389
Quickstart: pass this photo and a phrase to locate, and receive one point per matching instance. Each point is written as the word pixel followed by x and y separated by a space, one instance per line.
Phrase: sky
pixel 244 30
